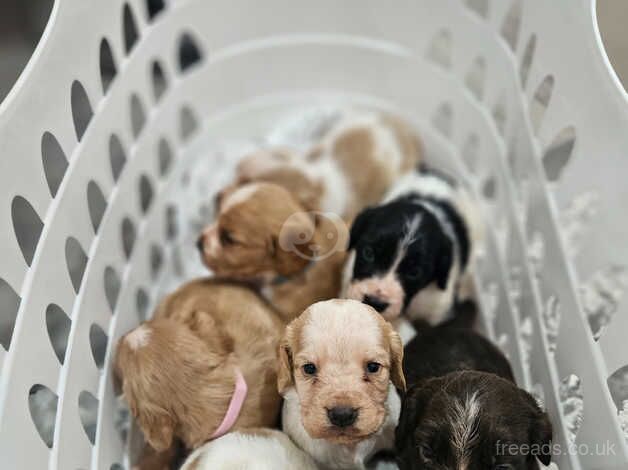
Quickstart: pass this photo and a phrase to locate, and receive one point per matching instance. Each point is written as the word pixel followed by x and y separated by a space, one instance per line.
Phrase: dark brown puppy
pixel 463 409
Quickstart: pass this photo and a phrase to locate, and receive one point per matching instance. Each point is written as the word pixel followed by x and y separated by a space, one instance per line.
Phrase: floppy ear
pixel 297 230
pixel 411 407
pixel 156 423
pixel 443 262
pixel 540 430
pixel 359 225
pixel 396 359
pixel 285 378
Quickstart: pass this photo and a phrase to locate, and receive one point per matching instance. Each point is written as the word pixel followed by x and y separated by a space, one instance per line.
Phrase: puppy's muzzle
pixel 342 416
pixel 375 302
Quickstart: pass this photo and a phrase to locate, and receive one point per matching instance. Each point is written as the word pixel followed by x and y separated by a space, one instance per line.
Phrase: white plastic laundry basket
pixel 117 134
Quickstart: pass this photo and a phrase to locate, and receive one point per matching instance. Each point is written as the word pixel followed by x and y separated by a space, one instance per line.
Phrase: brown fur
pixel 260 228
pixel 180 379
pixel 340 337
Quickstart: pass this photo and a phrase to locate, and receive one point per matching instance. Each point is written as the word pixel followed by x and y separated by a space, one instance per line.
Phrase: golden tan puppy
pixel 340 368
pixel 263 234
pixel 352 166
pixel 206 364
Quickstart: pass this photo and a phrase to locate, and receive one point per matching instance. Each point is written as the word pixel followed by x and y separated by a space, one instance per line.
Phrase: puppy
pixel 340 366
pixel 263 235
pixel 251 449
pixel 353 165
pixel 411 254
pixel 205 364
pixel 463 409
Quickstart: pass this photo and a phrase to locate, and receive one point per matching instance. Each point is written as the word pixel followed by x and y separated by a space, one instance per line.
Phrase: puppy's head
pixel 177 385
pixel 277 165
pixel 471 420
pixel 340 357
pixel 255 223
pixel 400 248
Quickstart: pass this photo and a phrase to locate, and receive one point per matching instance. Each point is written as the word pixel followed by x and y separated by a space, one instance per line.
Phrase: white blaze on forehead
pixel 338 327
pixel 139 337
pixel 464 419
pixel 238 196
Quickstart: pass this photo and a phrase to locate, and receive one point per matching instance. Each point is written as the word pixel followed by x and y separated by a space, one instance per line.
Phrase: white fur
pixel 336 456
pixel 239 196
pixel 139 337
pixel 464 417
pixel 242 451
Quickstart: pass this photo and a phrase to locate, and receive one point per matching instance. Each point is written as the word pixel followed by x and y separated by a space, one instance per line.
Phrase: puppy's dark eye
pixel 426 452
pixel 226 238
pixel 415 273
pixel 368 254
pixel 373 367
pixel 309 369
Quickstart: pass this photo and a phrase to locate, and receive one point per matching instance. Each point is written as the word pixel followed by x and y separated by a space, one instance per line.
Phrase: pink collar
pixel 235 406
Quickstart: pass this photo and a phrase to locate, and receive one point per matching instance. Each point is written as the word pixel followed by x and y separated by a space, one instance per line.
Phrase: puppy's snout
pixel 200 243
pixel 342 416
pixel 375 302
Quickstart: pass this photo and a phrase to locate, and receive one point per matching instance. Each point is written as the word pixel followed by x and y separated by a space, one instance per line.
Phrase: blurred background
pixel 23 21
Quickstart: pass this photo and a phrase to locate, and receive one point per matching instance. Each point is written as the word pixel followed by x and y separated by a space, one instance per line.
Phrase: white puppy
pixel 255 449
pixel 340 363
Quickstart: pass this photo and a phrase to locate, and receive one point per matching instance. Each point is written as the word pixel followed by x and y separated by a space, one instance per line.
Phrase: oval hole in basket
pixel 479 6
pixel 512 24
pixel 98 342
pixel 128 237
pixel 489 188
pixel 618 387
pixel 499 114
pixel 442 119
pixel 558 153
pixel 439 49
pixel 108 68
pixel 42 403
pixel 9 306
pixel 112 285
pixel 76 261
pixel 96 203
pixel 81 109
pixel 117 157
pixel 141 302
pixel 130 28
pixel 476 77
pixel 88 413
pixel 189 52
pixel 156 260
pixel 471 152
pixel 154 7
pixel 572 405
pixel 540 101
pixel 54 161
pixel 601 295
pixel 172 227
pixel 188 123
pixel 138 115
pixel 160 83
pixel 165 156
pixel 146 193
pixel 27 226
pixel 526 60
pixel 116 466
pixel 177 262
pixel 58 325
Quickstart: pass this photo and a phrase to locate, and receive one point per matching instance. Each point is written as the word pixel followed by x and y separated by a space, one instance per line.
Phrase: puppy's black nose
pixel 342 416
pixel 375 302
pixel 200 243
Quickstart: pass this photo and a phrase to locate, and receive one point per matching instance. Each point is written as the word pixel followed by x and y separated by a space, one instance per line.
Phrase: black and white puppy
pixel 411 254
pixel 463 409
